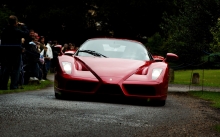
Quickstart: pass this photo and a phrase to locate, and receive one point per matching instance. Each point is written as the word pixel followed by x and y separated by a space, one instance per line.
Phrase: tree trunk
pixel 171 75
pixel 195 78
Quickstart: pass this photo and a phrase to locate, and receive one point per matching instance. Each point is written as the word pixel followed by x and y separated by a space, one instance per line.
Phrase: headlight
pixel 156 73
pixel 67 66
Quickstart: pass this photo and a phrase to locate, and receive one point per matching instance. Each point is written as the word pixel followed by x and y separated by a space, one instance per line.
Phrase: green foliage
pixel 214 58
pixel 215 45
pixel 4 14
pixel 188 32
pixel 186 24
pixel 131 19
pixel 155 44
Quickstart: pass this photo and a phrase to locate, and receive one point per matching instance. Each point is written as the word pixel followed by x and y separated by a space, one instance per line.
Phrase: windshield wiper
pixel 92 52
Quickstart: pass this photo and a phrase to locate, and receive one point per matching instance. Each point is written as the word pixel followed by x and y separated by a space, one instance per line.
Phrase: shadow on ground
pixel 111 100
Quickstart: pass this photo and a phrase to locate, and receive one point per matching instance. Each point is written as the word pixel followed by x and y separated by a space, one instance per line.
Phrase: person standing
pixel 55 55
pixel 26 45
pixel 65 47
pixel 42 42
pixel 33 60
pixel 47 53
pixel 11 52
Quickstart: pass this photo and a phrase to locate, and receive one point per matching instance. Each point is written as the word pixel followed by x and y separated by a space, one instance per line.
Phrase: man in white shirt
pixel 48 55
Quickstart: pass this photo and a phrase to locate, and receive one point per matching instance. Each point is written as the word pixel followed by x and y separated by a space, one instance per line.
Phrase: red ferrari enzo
pixel 113 66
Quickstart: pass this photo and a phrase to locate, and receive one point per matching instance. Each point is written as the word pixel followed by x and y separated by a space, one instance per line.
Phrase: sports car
pixel 113 66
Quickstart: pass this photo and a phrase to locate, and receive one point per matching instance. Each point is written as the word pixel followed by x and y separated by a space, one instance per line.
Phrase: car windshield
pixel 114 48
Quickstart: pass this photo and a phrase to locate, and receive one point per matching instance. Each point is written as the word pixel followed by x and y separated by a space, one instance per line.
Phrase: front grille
pixel 81 86
pixel 112 89
pixel 140 90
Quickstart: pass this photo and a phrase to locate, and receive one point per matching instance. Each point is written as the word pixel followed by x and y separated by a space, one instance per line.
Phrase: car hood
pixel 111 67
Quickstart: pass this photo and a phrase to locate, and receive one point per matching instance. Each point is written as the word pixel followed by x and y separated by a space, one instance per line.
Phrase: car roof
pixel 115 39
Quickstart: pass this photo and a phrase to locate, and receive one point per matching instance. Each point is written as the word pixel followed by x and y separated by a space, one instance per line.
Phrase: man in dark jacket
pixel 33 60
pixel 11 51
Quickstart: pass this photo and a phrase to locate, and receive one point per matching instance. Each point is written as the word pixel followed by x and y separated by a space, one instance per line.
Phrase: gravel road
pixel 38 113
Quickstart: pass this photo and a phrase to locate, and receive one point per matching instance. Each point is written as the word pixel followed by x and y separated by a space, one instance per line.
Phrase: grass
pixel 213 97
pixel 217 128
pixel 29 87
pixel 210 77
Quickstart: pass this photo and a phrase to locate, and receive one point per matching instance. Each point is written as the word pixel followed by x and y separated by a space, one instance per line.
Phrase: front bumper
pixel 93 86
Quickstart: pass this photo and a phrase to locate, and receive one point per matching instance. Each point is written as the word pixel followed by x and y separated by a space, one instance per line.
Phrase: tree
pixel 188 32
pixel 156 45
pixel 215 45
pixel 4 14
pixel 84 19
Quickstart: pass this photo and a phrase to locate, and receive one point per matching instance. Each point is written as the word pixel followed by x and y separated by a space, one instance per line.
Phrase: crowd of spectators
pixel 25 55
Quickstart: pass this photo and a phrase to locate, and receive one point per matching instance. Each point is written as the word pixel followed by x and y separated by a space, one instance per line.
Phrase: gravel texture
pixel 201 124
pixel 38 113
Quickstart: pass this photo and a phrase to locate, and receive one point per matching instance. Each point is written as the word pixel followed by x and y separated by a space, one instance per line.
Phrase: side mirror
pixel 171 57
pixel 158 58
pixel 58 49
pixel 69 53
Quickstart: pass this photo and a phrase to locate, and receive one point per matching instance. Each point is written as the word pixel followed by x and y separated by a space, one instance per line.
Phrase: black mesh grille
pixel 112 89
pixel 140 90
pixel 82 86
